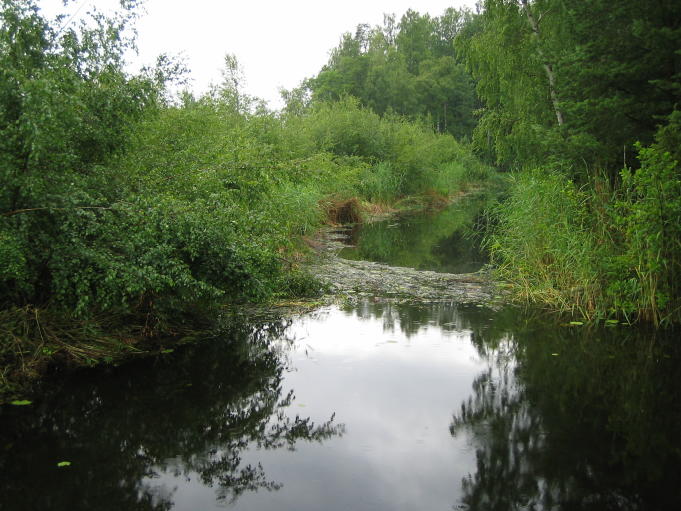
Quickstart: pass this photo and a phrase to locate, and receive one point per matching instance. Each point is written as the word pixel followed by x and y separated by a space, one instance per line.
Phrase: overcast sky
pixel 278 43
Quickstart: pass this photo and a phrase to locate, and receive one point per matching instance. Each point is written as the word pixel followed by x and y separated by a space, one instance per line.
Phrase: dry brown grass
pixel 346 211
pixel 34 340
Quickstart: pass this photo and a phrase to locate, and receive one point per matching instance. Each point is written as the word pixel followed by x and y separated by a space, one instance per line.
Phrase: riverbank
pixel 38 342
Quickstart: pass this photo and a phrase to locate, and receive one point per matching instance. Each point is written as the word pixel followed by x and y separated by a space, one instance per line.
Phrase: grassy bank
pixel 600 251
pixel 588 118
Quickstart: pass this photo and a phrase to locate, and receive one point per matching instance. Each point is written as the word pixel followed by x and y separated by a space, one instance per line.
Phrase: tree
pixel 499 52
pixel 407 67
pixel 233 79
pixel 546 63
pixel 66 106
pixel 572 80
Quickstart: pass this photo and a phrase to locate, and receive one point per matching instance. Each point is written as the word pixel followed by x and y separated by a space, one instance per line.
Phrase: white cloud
pixel 277 43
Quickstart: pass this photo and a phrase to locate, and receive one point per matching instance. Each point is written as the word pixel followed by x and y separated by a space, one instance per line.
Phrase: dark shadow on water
pixel 583 418
pixel 191 413
pixel 574 418
pixel 522 414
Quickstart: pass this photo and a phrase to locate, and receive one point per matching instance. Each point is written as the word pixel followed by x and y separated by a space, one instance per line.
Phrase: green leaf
pixel 21 402
pixel 168 350
pixel 64 464
pixel 576 323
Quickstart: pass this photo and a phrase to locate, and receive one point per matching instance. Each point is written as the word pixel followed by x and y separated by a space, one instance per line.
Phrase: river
pixel 373 404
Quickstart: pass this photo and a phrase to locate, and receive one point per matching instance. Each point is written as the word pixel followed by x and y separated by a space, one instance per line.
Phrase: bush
pixel 114 201
pixel 402 157
pixel 649 215
pixel 605 252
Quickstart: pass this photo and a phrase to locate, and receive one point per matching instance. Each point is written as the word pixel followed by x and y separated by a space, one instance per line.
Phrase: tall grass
pixel 543 244
pixel 599 250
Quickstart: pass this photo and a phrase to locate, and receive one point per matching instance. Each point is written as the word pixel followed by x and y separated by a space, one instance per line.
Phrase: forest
pixel 129 211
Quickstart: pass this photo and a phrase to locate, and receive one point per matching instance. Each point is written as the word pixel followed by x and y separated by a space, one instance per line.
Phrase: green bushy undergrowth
pixel 400 157
pixel 598 250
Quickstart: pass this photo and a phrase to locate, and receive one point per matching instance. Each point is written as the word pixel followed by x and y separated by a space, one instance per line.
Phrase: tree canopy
pixel 609 70
pixel 407 67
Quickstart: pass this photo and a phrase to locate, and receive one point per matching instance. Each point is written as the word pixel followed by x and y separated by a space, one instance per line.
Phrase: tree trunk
pixel 548 68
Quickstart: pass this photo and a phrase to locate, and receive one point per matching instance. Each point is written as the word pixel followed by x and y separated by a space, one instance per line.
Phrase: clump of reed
pixel 542 244
pixel 598 251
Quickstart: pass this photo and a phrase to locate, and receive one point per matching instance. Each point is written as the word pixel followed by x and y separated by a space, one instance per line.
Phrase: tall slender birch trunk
pixel 548 68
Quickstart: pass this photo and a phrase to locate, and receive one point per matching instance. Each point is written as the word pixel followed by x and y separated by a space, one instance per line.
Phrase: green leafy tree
pixel 66 107
pixel 407 67
pixel 575 81
pixel 501 55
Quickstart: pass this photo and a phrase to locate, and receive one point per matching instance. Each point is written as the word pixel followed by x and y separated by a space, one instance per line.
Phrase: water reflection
pixel 566 418
pixel 438 407
pixel 190 417
pixel 394 383
pixel 410 318
pixel 440 241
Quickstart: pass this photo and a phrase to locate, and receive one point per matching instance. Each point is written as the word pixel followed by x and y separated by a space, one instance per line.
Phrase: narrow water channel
pixel 368 406
pixel 443 241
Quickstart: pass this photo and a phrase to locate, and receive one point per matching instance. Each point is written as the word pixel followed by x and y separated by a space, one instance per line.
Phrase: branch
pixel 27 210
pixel 542 14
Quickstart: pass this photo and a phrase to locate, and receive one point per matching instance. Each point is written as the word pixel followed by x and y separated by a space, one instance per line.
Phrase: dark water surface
pixel 371 406
pixel 439 240
pixel 374 406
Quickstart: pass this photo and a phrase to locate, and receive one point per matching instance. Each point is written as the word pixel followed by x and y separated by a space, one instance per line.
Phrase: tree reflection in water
pixel 411 318
pixel 574 418
pixel 192 416
pixel 441 240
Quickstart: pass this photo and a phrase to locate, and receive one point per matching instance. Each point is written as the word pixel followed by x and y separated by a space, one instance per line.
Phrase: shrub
pixel 649 215
pixel 570 249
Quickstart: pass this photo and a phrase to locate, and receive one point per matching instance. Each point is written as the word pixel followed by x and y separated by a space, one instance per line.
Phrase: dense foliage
pixel 576 82
pixel 66 107
pixel 408 67
pixel 575 91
